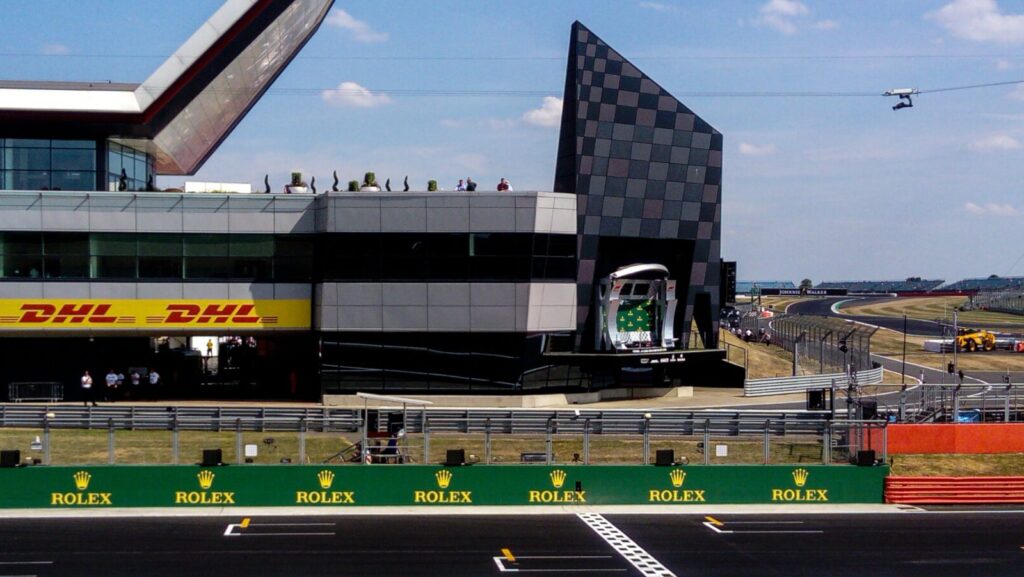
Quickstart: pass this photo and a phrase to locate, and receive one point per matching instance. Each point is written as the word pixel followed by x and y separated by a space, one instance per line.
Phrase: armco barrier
pixel 969 438
pixel 954 490
pixel 783 385
pixel 415 485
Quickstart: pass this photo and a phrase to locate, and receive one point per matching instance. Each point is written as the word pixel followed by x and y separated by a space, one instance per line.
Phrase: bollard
pixel 302 441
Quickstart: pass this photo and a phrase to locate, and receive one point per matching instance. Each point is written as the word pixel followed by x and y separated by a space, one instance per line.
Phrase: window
pixel 32 164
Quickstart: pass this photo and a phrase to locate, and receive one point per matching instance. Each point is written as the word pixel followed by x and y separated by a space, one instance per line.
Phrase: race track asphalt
pixel 902 544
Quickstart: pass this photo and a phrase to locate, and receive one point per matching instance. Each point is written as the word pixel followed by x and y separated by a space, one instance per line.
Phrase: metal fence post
pixel 586 442
pixel 767 441
pixel 302 441
pixel 238 441
pixel 647 440
pixel 110 441
pixel 426 439
pixel 707 441
pixel 885 442
pixel 487 441
pixel 547 442
pixel 826 444
pixel 175 447
pixel 46 441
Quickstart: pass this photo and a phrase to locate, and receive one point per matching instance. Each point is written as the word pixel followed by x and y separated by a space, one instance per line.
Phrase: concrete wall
pixel 541 212
pixel 446 307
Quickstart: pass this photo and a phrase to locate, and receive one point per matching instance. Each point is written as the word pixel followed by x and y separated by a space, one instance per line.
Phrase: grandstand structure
pixel 987 284
pixel 883 286
pixel 746 287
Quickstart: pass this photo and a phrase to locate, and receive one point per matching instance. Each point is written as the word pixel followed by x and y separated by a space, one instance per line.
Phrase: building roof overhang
pixel 190 104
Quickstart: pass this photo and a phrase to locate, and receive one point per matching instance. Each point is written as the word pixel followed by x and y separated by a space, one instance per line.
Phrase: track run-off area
pixel 720 542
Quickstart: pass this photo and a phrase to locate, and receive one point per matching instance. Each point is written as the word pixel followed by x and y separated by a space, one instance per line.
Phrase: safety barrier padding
pixel 938 490
pixel 964 438
pixel 426 485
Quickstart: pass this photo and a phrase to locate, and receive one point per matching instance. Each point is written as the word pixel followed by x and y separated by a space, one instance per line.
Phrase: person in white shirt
pixel 87 394
pixel 460 185
pixel 111 391
pixel 154 383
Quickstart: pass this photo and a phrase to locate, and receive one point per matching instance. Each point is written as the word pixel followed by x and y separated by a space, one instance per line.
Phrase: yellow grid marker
pixel 714 521
pixel 508 555
pixel 244 523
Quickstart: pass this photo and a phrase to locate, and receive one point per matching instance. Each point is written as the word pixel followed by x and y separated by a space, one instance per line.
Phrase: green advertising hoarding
pixel 415 485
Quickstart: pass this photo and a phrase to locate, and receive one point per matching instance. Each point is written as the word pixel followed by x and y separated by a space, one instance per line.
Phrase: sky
pixel 821 178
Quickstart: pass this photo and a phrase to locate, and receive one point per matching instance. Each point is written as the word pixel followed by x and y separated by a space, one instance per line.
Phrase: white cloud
pixel 55 49
pixel 1018 92
pixel 659 6
pixel 351 94
pixel 826 25
pixel 548 115
pixel 980 21
pixel 996 142
pixel 780 15
pixel 748 149
pixel 1004 64
pixel 361 31
pixel 991 209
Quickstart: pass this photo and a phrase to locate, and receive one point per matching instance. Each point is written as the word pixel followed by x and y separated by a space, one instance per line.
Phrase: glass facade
pixel 457 257
pixel 137 166
pixel 40 164
pixel 139 256
pixel 462 257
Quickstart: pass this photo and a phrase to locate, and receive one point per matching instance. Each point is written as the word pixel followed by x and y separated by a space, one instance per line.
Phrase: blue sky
pixel 826 187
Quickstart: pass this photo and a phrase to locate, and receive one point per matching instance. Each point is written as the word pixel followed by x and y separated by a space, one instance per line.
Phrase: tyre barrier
pixel 952 490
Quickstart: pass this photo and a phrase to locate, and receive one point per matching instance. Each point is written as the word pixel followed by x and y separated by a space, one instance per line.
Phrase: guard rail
pixel 516 421
pixel 783 385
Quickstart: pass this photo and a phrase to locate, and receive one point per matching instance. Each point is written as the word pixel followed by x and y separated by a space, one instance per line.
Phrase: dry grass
pixel 958 465
pixel 762 361
pixel 84 447
pixel 890 343
pixel 932 308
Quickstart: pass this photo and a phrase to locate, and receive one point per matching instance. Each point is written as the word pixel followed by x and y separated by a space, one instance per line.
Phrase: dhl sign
pixel 51 314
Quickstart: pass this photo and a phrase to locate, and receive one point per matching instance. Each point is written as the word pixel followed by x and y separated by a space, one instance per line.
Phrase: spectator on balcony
pixel 504 186
pixel 470 184
pixel 460 186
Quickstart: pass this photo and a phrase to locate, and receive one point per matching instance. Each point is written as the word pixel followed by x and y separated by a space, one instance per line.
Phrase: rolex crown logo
pixel 82 479
pixel 326 479
pixel 205 479
pixel 444 478
pixel 800 477
pixel 677 476
pixel 557 478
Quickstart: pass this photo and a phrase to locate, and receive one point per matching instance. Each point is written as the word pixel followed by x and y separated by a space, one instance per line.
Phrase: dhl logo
pixel 172 314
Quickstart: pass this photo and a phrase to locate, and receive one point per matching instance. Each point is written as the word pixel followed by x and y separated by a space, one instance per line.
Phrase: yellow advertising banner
pixel 184 314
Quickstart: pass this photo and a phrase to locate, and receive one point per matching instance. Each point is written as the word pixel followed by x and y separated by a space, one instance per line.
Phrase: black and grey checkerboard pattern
pixel 642 164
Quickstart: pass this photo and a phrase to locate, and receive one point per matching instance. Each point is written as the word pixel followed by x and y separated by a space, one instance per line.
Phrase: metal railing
pixel 35 391
pixel 783 385
pixel 490 436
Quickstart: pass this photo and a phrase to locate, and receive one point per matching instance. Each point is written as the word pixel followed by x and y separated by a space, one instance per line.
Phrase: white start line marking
pixel 623 545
